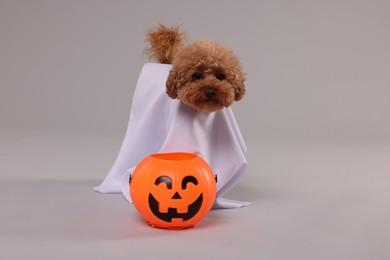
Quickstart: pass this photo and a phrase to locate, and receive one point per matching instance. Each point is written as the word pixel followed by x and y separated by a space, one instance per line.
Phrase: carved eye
pixel 164 179
pixel 197 76
pixel 220 76
pixel 187 180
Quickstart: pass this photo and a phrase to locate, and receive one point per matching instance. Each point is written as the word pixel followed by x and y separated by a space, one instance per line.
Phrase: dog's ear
pixel 239 87
pixel 239 92
pixel 171 85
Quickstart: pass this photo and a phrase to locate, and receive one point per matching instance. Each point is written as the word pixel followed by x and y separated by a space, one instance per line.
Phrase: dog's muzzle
pixel 209 93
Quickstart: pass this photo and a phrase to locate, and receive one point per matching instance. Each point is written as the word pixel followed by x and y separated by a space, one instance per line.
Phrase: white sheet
pixel 159 124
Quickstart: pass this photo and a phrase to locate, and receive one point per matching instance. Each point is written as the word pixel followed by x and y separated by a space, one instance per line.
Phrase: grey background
pixel 315 69
pixel 315 119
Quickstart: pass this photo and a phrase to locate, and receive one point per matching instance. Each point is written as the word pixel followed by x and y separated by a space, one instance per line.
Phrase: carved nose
pixel 209 92
pixel 176 196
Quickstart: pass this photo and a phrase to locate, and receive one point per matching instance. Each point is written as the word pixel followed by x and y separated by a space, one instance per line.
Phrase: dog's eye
pixel 197 76
pixel 220 76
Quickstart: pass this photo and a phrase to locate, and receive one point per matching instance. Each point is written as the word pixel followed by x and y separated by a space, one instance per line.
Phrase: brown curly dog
pixel 205 74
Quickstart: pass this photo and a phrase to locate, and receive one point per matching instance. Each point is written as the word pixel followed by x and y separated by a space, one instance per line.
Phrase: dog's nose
pixel 209 92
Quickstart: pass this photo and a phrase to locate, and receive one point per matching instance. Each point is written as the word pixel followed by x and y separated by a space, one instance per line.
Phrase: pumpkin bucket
pixel 173 190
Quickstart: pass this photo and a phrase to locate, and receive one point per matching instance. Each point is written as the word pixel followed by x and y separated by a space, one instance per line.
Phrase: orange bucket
pixel 173 190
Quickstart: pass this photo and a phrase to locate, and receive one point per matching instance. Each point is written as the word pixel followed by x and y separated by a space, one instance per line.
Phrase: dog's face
pixel 206 76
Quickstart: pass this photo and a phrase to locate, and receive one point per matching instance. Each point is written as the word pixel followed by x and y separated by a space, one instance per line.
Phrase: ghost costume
pixel 159 124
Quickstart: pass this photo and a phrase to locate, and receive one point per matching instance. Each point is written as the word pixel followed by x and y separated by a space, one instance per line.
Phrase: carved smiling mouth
pixel 172 212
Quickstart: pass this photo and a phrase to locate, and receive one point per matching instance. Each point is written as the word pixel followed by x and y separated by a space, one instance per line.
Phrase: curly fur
pixel 205 74
pixel 164 43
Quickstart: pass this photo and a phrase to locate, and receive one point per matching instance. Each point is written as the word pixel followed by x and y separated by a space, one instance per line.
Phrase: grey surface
pixel 313 201
pixel 315 119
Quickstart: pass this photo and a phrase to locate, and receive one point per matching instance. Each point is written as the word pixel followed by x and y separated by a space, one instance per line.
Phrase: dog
pixel 205 75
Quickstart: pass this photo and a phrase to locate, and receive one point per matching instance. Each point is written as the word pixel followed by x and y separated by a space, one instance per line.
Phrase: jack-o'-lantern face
pixel 173 190
pixel 180 203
